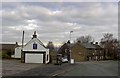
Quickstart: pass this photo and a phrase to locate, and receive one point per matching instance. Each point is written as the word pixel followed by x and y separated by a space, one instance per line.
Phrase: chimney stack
pixel 79 41
pixel 16 43
pixel 34 35
pixel 68 42
pixel 91 42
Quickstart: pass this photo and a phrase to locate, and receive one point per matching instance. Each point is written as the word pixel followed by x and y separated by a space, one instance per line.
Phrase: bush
pixel 4 55
pixel 0 54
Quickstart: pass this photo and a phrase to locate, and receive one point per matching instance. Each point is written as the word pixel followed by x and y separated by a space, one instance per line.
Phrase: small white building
pixel 17 53
pixel 33 52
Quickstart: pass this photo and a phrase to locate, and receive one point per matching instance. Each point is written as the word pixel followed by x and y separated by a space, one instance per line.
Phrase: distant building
pixel 65 50
pixel 9 49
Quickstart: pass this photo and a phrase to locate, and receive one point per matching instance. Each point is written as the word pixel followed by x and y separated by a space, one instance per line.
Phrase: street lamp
pixel 70 35
pixel 70 45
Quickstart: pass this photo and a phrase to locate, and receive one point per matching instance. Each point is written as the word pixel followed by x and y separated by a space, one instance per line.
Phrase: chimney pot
pixel 91 42
pixel 79 41
pixel 16 43
pixel 96 43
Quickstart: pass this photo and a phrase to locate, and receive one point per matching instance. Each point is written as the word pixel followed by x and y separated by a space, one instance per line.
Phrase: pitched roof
pixel 36 39
pixel 63 47
pixel 88 45
pixel 97 46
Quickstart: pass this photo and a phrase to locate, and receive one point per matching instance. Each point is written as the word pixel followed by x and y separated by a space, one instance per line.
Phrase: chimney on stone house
pixel 79 41
pixel 96 43
pixel 91 42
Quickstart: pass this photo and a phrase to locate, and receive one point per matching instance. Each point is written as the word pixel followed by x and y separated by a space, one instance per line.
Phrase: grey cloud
pixel 54 21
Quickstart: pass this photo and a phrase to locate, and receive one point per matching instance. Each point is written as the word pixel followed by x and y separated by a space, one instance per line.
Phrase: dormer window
pixel 34 46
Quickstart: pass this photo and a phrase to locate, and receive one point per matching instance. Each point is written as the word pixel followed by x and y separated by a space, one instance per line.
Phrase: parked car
pixel 59 59
pixel 64 59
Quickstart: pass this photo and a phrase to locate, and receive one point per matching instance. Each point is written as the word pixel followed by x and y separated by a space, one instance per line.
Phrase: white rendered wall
pixel 18 52
pixel 47 53
pixel 29 47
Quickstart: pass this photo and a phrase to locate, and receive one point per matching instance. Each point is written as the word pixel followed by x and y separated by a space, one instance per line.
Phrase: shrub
pixel 4 55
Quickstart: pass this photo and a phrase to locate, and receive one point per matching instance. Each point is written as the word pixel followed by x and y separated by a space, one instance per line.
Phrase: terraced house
pixel 82 51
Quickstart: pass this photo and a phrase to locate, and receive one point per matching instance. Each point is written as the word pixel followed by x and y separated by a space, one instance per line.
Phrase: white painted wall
pixel 33 58
pixel 17 52
pixel 29 46
pixel 47 53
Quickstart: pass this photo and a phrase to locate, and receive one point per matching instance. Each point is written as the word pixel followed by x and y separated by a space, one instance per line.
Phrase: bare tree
pixel 50 46
pixel 85 39
pixel 110 44
pixel 107 37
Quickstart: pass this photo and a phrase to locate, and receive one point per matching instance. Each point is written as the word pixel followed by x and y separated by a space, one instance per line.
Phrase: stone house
pixel 82 51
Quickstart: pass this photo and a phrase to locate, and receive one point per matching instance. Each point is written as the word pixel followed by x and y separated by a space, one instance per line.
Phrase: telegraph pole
pixel 22 54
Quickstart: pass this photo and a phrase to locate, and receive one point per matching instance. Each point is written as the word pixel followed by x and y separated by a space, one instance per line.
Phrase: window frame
pixel 34 46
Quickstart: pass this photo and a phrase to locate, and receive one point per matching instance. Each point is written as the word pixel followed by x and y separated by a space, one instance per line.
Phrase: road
pixel 103 68
pixel 46 70
pixel 91 68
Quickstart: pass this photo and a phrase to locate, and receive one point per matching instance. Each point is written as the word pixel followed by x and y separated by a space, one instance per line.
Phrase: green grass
pixel 0 54
pixel 4 55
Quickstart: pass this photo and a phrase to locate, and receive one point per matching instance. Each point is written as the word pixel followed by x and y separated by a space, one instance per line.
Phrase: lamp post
pixel 70 45
pixel 70 34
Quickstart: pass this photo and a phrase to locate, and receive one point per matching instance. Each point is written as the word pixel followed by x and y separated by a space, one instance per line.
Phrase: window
pixel 34 46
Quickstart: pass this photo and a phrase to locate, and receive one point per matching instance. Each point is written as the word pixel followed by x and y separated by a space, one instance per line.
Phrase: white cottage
pixel 33 52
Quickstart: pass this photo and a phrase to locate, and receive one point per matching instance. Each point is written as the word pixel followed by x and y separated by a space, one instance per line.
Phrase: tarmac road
pixel 103 68
pixel 46 70
pixel 91 68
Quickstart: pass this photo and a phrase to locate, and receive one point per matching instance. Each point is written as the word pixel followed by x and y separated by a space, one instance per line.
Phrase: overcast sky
pixel 53 21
